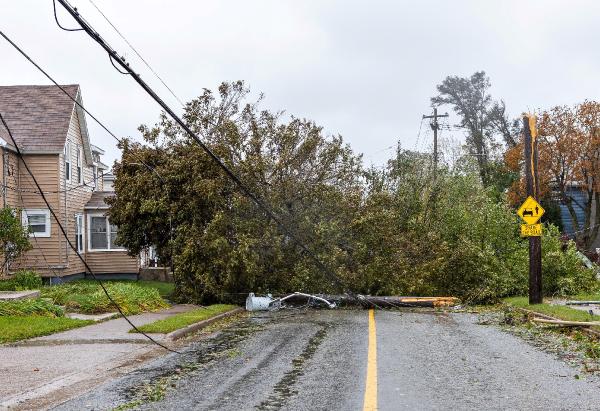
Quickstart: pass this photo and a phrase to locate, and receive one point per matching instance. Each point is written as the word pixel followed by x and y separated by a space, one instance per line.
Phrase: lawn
pixel 88 297
pixel 15 328
pixel 164 289
pixel 181 320
pixel 558 311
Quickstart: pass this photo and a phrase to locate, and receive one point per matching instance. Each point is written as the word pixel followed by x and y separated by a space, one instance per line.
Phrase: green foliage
pixel 27 280
pixel 181 320
pixel 562 270
pixel 22 280
pixel 391 231
pixel 21 328
pixel 28 306
pixel 14 238
pixel 88 297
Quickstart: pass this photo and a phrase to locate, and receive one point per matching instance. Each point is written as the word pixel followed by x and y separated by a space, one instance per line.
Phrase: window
pixel 79 165
pixel 37 221
pixel 79 232
pixel 68 161
pixel 95 171
pixel 102 234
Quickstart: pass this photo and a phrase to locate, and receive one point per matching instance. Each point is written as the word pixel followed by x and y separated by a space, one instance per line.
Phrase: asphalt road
pixel 319 360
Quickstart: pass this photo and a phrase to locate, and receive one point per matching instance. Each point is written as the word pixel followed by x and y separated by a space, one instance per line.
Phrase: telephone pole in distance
pixel 435 126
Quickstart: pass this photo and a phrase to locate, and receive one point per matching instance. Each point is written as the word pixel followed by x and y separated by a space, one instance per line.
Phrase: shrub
pixel 27 280
pixel 563 273
pixel 41 307
pixel 22 280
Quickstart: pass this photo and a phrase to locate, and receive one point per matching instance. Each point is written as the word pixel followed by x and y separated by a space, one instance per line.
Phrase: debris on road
pixel 394 301
pixel 254 303
pixel 563 323
pixel 582 303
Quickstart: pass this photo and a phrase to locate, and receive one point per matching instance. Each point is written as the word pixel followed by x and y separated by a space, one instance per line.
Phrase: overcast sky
pixel 362 69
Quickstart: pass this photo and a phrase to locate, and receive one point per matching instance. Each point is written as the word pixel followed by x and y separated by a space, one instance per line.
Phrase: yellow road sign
pixel 531 230
pixel 530 211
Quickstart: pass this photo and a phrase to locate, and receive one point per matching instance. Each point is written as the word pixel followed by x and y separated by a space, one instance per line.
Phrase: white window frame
pixel 68 168
pixel 95 175
pixel 37 211
pixel 79 165
pixel 79 232
pixel 89 234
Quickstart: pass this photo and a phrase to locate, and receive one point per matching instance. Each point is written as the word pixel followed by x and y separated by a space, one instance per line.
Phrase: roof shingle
pixel 38 116
pixel 96 202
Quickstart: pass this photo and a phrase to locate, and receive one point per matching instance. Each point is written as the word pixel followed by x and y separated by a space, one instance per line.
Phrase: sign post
pixel 531 211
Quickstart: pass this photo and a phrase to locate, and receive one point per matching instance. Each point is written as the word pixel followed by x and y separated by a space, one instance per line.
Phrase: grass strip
pixel 181 320
pixel 88 297
pixel 15 328
pixel 562 312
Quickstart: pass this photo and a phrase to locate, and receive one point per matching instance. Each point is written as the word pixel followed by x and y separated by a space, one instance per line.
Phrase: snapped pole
pixel 533 188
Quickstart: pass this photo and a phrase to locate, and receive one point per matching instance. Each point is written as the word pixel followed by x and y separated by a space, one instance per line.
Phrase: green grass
pixel 40 307
pixel 558 311
pixel 181 320
pixel 20 328
pixel 164 289
pixel 586 297
pixel 88 297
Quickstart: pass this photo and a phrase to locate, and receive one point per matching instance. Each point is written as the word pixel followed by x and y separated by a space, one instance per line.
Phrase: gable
pixel 38 116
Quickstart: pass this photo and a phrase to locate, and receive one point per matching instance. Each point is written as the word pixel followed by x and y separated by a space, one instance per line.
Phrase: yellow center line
pixel 370 403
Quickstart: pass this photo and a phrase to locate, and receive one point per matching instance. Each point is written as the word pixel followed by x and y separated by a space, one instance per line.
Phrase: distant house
pixel 580 199
pixel 51 132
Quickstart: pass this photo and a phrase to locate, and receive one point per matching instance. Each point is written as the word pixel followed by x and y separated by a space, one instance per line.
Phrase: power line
pixel 64 233
pixel 137 53
pixel 230 173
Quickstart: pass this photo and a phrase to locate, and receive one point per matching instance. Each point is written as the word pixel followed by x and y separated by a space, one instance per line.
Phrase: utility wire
pixel 58 23
pixel 230 173
pixel 137 53
pixel 64 233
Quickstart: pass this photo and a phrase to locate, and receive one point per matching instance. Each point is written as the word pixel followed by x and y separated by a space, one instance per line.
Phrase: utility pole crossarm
pixel 435 126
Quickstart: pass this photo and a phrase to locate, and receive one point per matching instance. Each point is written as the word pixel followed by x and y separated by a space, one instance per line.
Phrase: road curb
pixel 182 332
pixel 585 330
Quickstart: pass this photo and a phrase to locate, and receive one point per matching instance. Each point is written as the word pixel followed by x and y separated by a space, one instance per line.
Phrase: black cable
pixel 232 175
pixel 57 22
pixel 113 64
pixel 137 53
pixel 62 229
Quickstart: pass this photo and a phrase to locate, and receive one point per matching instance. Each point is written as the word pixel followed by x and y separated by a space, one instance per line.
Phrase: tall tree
pixel 171 194
pixel 480 115
pixel 569 164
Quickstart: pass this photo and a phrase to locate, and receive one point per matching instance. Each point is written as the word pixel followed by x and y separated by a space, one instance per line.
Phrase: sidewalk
pixel 42 371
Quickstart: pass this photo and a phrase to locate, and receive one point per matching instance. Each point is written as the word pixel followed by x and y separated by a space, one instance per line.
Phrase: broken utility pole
pixel 533 188
pixel 435 126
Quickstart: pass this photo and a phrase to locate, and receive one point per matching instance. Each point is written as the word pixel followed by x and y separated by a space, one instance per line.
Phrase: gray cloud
pixel 364 69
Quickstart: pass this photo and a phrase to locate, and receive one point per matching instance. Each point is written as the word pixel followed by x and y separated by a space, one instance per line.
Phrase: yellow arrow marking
pixel 370 403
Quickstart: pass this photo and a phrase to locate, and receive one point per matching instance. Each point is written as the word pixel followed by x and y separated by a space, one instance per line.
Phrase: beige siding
pixel 52 256
pixel 74 196
pixel 107 262
pixel 22 193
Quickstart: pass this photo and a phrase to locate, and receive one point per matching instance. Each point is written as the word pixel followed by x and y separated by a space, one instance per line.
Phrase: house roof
pixel 39 116
pixel 97 200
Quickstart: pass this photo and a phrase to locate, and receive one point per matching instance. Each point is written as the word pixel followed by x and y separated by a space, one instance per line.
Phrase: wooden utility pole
pixel 435 126
pixel 533 188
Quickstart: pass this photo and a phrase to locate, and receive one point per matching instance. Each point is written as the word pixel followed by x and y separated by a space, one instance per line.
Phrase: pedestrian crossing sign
pixel 530 211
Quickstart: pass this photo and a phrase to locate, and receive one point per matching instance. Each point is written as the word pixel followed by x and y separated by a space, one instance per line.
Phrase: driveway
pixel 319 360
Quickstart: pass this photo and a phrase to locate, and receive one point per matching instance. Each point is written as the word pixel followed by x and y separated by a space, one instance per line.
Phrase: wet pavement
pixel 39 372
pixel 317 360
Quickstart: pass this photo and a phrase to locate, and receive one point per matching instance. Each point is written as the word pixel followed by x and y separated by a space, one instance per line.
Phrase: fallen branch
pixel 567 323
pixel 582 302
